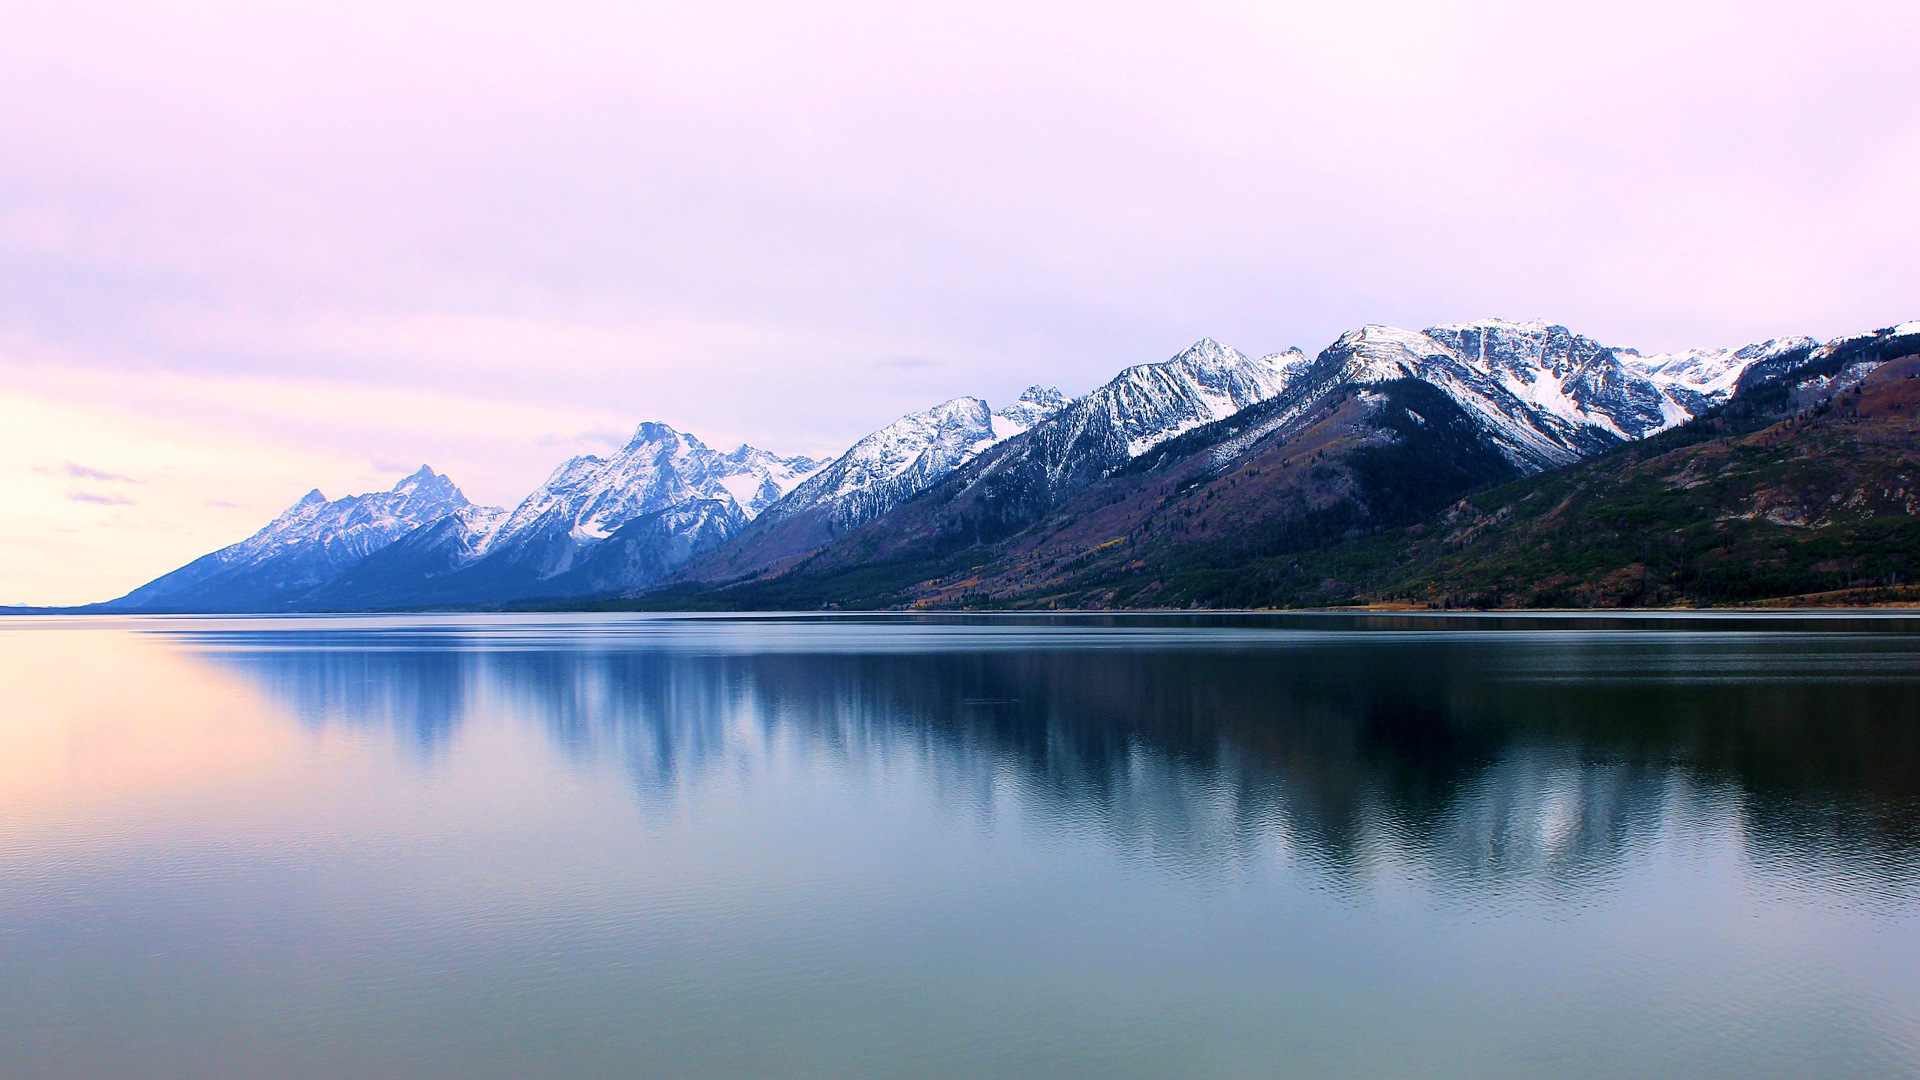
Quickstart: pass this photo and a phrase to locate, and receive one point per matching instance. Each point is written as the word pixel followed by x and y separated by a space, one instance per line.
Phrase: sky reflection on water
pixel 494 846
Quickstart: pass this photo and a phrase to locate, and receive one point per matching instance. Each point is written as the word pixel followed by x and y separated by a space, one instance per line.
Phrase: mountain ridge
pixel 1209 451
pixel 1314 475
pixel 309 543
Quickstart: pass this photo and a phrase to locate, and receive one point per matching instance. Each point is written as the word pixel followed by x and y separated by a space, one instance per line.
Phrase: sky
pixel 248 249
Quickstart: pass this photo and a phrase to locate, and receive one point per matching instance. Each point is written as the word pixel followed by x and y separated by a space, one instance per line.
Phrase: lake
pixel 1209 846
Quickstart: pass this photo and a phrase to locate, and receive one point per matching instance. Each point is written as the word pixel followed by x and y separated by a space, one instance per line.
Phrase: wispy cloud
pixel 85 472
pixel 98 498
pixel 763 223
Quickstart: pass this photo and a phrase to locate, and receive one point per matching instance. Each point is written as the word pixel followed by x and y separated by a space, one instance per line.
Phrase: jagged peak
pixel 1209 353
pixel 424 479
pixel 965 411
pixel 306 504
pixel 1034 405
pixel 655 433
pixel 748 456
pixel 1041 395
pixel 1205 355
pixel 964 407
pixel 1760 350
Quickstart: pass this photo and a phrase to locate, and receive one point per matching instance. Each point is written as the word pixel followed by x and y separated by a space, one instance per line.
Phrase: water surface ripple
pixel 476 846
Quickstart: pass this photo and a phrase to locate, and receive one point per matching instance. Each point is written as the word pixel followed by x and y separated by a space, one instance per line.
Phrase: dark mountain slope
pixel 1806 484
pixel 1282 476
pixel 1104 500
pixel 987 488
pixel 1807 481
pixel 1354 463
pixel 1822 499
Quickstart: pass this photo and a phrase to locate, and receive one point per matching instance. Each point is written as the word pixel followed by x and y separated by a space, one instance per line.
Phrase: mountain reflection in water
pixel 1532 762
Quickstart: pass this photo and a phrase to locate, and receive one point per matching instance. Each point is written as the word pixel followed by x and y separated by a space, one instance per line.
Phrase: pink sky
pixel 248 249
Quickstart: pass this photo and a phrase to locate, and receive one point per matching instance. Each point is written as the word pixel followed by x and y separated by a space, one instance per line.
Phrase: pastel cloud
pixel 86 472
pixel 313 237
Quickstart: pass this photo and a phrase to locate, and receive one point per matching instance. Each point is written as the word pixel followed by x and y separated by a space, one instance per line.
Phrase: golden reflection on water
pixel 95 720
pixel 512 848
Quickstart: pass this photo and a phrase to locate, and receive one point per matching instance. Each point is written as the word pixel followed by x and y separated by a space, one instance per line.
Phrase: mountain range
pixel 1210 479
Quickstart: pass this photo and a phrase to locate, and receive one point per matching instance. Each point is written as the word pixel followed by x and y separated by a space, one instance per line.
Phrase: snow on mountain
pixel 1546 394
pixel 587 498
pixel 1033 405
pixel 1150 403
pixel 1145 403
pixel 1021 479
pixel 310 542
pixel 1700 378
pixel 917 448
pixel 649 547
pixel 907 456
pixel 472 529
pixel 351 527
pixel 1137 409
pixel 1543 394
pixel 664 497
pixel 761 479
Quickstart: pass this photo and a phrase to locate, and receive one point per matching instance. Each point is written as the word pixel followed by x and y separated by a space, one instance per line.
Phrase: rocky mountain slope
pixel 1544 394
pixel 1210 478
pixel 1803 485
pixel 1203 450
pixel 1806 486
pixel 1064 447
pixel 878 473
pixel 596 524
pixel 309 544
pixel 1384 430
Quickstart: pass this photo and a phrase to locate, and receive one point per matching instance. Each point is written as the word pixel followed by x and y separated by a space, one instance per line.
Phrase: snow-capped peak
pixel 1034 404
pixel 1207 381
pixel 338 531
pixel 917 448
pixel 588 497
pixel 910 454
pixel 1547 394
pixel 371 520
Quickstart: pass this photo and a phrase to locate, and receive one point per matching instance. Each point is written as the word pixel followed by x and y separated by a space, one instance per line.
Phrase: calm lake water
pixel 790 846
